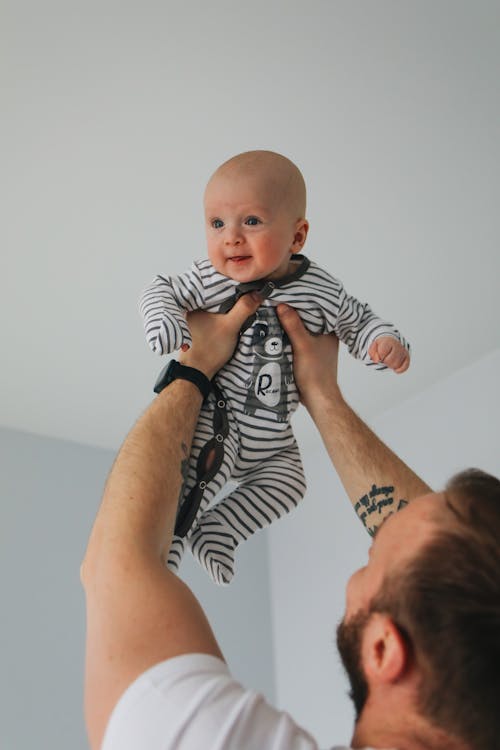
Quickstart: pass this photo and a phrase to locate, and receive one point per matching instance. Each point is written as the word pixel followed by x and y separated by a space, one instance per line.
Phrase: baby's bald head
pixel 274 176
pixel 255 221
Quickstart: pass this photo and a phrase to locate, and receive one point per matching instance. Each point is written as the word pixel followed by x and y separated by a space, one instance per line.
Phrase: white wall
pixel 50 490
pixel 115 113
pixel 450 426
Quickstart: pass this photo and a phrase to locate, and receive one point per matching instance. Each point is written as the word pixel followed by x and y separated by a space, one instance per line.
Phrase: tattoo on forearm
pixel 378 501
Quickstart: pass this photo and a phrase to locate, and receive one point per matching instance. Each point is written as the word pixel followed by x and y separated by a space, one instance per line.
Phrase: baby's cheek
pixel 215 256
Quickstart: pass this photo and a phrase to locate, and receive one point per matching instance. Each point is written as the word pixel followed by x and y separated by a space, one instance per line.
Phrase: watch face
pixel 166 376
pixel 174 370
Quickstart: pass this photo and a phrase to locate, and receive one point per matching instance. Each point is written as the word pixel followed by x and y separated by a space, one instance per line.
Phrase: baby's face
pixel 250 234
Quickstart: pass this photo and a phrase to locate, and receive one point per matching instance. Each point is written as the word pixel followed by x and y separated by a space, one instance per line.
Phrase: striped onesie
pixel 247 417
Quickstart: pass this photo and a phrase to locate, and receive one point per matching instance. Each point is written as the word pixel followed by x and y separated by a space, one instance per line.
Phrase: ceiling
pixel 114 116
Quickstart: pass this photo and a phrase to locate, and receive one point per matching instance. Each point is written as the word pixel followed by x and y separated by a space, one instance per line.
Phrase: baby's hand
pixel 390 352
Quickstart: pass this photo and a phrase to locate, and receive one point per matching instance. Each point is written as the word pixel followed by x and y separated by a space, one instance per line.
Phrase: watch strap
pixel 175 371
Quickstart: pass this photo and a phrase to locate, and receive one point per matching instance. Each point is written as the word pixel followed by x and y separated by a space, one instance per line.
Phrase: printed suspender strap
pixel 189 508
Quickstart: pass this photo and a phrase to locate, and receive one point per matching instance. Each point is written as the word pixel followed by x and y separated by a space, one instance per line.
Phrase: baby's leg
pixel 266 493
pixel 226 450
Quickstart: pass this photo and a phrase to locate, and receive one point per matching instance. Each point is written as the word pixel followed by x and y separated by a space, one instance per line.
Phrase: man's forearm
pixel 377 481
pixel 140 501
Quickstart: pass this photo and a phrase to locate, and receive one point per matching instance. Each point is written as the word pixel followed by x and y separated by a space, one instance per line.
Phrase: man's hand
pixel 314 357
pixel 215 336
pixel 390 352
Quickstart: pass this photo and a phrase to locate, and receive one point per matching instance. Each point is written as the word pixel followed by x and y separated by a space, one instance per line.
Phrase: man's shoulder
pixel 189 701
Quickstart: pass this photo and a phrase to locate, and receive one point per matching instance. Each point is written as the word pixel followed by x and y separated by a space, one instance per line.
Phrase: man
pixel 420 635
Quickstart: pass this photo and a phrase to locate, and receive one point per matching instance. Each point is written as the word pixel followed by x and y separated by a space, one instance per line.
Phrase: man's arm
pixel 376 480
pixel 138 612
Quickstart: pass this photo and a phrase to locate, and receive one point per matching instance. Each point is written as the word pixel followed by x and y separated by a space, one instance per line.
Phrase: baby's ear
pixel 300 236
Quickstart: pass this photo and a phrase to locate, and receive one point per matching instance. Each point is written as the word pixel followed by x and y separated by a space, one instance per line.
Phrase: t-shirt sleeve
pixel 192 702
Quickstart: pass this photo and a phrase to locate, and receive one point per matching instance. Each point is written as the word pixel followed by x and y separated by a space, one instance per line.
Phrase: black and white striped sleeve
pixel 163 306
pixel 358 327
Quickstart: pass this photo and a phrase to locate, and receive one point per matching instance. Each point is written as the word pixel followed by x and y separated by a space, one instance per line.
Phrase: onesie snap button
pixel 221 404
pixel 219 438
pixel 202 485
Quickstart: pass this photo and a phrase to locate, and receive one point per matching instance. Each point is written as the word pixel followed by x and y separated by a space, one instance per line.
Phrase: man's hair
pixel 446 603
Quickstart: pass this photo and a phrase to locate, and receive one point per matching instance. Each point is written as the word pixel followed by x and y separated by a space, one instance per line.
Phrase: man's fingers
pixel 246 306
pixel 291 322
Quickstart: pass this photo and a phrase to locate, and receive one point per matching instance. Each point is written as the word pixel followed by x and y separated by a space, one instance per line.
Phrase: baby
pixel 255 207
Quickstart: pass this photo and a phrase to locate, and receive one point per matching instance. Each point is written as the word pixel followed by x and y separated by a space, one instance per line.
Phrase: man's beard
pixel 349 635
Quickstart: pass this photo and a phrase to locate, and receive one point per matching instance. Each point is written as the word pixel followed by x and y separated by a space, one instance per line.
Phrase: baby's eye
pixel 217 223
pixel 252 221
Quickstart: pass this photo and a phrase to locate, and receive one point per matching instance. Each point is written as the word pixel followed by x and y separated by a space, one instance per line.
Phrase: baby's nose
pixel 232 236
pixel 232 239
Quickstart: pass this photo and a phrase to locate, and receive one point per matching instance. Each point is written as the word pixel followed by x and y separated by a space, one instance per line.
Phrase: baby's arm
pixel 368 337
pixel 163 306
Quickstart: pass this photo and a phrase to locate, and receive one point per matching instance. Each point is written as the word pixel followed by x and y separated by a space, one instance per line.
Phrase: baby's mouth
pixel 240 258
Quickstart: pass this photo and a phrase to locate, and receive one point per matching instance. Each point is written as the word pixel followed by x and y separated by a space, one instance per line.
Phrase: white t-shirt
pixel 191 702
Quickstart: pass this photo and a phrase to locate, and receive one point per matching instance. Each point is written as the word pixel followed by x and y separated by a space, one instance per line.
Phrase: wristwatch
pixel 175 370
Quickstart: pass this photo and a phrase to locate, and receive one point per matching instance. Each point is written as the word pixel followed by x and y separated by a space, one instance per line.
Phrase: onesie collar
pixel 265 287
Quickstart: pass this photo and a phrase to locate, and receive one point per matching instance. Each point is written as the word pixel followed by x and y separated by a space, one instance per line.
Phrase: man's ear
pixel 385 653
pixel 300 235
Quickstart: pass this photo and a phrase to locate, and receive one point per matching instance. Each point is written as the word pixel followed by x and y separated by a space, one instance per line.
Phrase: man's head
pixel 424 615
pixel 255 207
